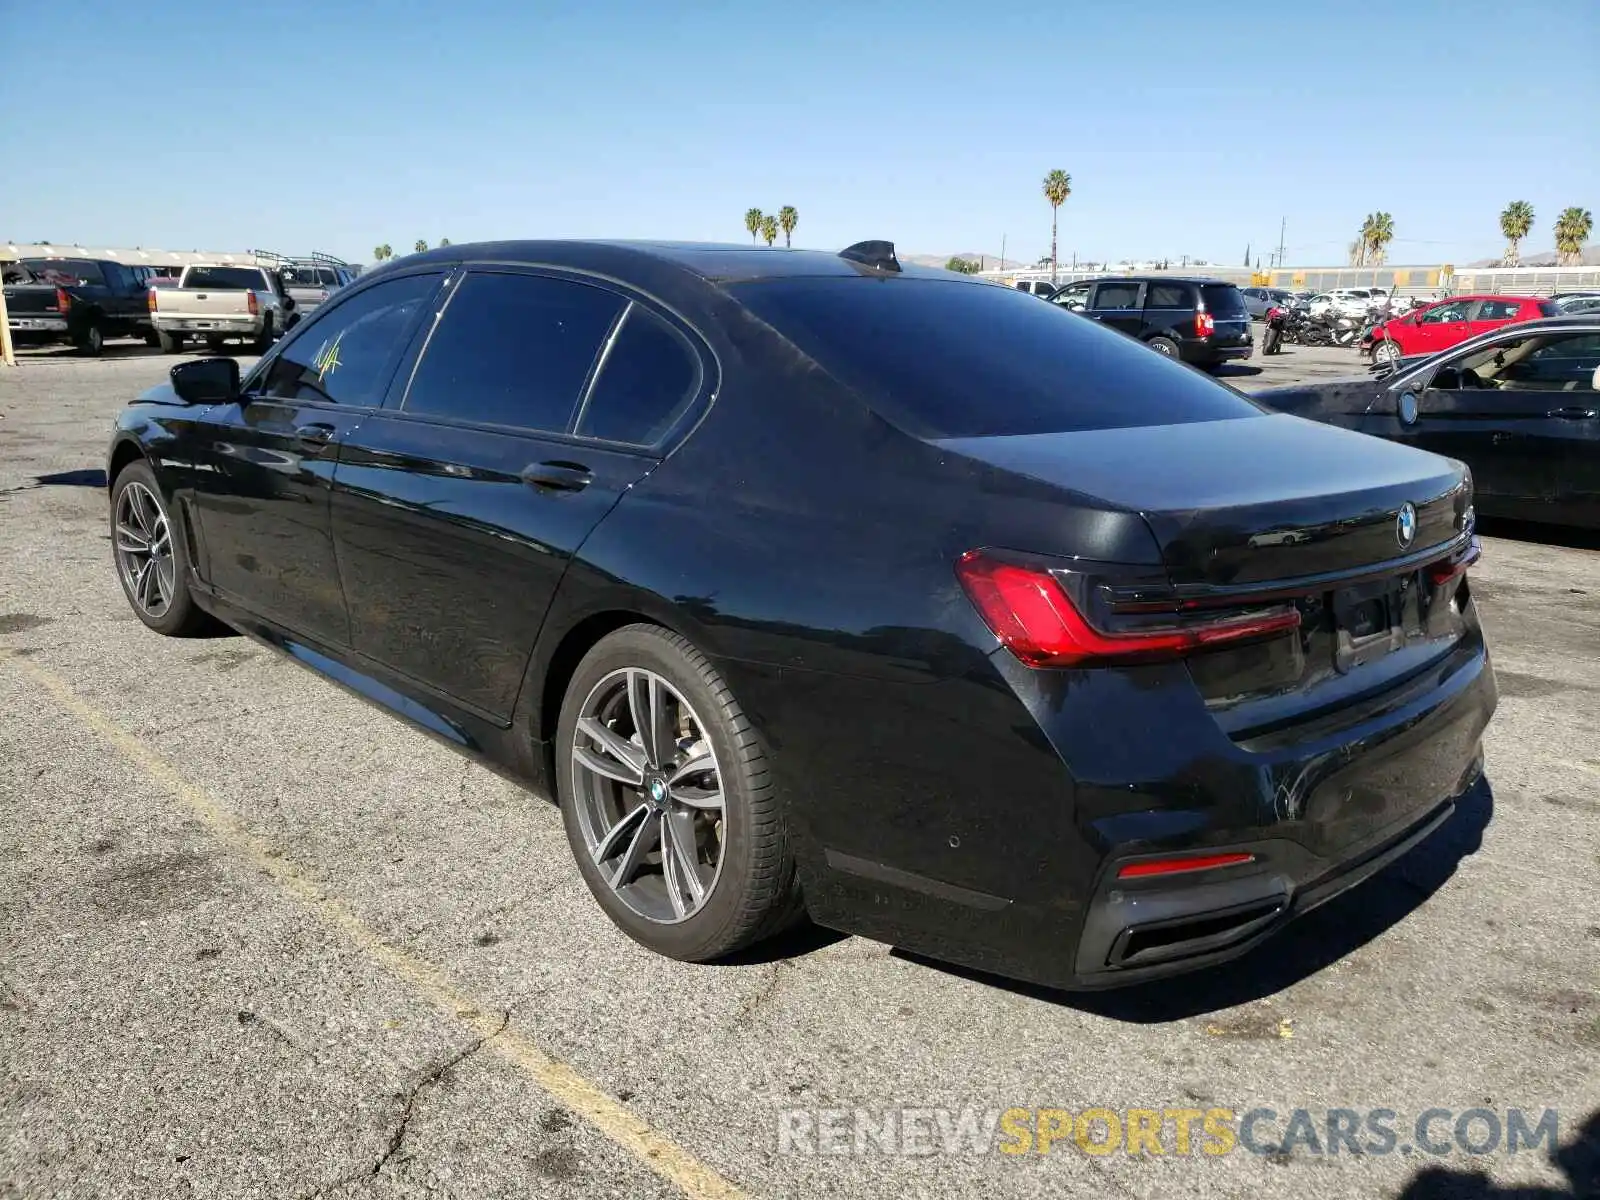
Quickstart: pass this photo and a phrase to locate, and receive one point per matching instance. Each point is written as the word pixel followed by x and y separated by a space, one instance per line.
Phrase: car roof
pixel 715 262
pixel 1157 279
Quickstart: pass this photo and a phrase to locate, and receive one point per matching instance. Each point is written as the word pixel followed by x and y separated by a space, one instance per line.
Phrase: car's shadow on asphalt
pixel 1578 1160
pixel 1300 949
pixel 1236 371
pixel 116 349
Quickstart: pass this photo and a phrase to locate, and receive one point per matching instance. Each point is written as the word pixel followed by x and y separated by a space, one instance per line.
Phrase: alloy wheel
pixel 144 550
pixel 647 790
pixel 1387 352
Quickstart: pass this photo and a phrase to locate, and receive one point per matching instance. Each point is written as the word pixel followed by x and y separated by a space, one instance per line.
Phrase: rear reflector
pixel 1178 866
pixel 1034 618
pixel 1443 571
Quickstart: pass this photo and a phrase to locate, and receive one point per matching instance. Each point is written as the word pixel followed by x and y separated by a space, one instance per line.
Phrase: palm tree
pixel 1057 187
pixel 788 218
pixel 1515 223
pixel 420 246
pixel 379 253
pixel 769 228
pixel 1380 232
pixel 752 223
pixel 444 241
pixel 1573 227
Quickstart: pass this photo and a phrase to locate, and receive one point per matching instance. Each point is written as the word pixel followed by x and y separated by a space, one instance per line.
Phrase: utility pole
pixel 1002 252
pixel 7 354
pixel 1282 225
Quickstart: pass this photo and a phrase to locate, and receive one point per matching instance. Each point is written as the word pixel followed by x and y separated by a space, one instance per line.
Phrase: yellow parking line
pixel 565 1085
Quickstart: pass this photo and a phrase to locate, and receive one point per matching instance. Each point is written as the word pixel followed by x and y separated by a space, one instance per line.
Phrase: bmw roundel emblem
pixel 1405 525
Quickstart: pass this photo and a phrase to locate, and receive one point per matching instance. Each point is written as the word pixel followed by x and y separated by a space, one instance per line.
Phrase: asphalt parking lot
pixel 259 939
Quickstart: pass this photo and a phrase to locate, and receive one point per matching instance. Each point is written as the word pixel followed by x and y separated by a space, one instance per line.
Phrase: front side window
pixel 346 354
pixel 513 350
pixel 1444 313
pixel 1538 362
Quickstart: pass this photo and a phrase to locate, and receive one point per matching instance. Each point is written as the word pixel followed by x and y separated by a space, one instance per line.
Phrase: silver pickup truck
pixel 221 302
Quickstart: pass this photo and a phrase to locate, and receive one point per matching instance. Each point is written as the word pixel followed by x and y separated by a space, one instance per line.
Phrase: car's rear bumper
pixel 37 325
pixel 1209 353
pixel 236 326
pixel 1022 879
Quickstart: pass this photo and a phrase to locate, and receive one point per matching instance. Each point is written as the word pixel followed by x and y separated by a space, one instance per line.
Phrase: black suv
pixel 1201 321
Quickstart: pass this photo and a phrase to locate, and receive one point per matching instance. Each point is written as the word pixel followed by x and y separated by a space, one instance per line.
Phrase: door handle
pixel 314 437
pixel 558 476
pixel 1573 413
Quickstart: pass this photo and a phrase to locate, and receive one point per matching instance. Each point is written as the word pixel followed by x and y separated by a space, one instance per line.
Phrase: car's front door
pixel 536 402
pixel 1440 327
pixel 1119 304
pixel 1519 414
pixel 265 464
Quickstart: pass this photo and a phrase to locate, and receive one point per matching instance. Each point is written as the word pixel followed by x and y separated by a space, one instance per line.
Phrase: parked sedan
pixel 1519 405
pixel 807 583
pixel 1436 327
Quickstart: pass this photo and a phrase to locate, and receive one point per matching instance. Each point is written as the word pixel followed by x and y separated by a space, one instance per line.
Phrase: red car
pixel 1442 325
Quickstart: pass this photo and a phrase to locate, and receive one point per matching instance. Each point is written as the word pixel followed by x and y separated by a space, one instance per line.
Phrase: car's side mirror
pixel 207 381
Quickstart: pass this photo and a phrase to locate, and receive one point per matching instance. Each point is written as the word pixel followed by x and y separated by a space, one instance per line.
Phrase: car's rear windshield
pixel 1224 300
pixel 63 271
pixel 951 360
pixel 225 278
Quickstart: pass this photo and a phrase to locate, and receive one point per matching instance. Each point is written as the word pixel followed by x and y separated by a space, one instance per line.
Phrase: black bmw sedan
pixel 809 584
pixel 1520 405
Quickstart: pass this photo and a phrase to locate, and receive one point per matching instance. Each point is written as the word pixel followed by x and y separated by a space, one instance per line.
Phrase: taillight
pixel 250 300
pixel 1204 324
pixel 1179 866
pixel 1033 616
pixel 63 299
pixel 150 299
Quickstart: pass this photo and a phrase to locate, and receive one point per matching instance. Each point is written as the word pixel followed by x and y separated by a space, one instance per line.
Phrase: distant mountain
pixel 1544 258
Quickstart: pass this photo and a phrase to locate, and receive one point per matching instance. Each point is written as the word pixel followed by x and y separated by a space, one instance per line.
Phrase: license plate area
pixel 1372 620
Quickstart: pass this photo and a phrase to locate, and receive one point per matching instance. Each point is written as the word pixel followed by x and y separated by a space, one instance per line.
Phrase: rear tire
pixel 170 343
pixel 1386 352
pixel 151 338
pixel 215 344
pixel 91 339
pixel 263 340
pixel 151 553
pixel 751 891
pixel 1162 345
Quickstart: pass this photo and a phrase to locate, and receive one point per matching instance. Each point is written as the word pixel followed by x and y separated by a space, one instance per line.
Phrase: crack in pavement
pixel 398 1136
pixel 747 1010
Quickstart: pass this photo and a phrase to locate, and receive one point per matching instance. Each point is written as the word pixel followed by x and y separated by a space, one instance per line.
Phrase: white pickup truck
pixel 217 302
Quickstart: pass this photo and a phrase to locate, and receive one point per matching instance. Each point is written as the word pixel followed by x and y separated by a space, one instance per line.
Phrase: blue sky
pixel 1187 128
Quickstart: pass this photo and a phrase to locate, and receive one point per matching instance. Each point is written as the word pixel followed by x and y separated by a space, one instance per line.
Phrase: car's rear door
pixel 1119 303
pixel 1492 314
pixel 535 402
pixel 264 466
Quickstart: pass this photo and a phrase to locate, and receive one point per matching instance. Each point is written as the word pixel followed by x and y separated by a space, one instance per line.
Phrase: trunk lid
pixel 1242 504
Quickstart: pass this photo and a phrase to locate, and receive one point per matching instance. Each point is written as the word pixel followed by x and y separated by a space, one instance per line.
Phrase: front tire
pixel 152 558
pixel 668 802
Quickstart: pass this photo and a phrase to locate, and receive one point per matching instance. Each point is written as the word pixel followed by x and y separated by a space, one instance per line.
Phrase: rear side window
pixel 513 350
pixel 948 360
pixel 649 377
pixel 1223 300
pixel 1499 310
pixel 347 354
pixel 1168 295
pixel 1116 295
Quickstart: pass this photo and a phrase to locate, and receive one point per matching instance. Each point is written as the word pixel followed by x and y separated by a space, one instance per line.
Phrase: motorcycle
pixel 1343 331
pixel 1272 339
